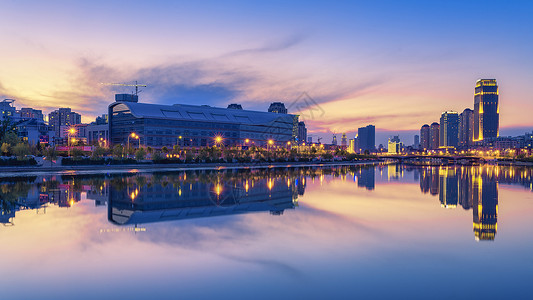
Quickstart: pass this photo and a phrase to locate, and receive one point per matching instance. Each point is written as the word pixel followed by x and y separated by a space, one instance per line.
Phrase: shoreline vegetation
pixel 26 158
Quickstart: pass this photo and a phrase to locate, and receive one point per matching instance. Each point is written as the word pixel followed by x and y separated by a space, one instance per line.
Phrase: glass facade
pixel 448 130
pixel 196 126
pixel 486 110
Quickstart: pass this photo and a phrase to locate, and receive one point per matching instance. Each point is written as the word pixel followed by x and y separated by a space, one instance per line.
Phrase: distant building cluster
pixel 471 129
pixel 62 124
pixel 364 141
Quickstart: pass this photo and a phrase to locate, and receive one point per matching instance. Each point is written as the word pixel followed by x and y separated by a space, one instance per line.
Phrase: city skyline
pixel 407 66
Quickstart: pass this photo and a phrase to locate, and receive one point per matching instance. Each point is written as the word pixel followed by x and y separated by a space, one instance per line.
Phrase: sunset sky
pixel 394 64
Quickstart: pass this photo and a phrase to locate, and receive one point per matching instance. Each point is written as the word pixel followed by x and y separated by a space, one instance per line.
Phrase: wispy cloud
pixel 275 46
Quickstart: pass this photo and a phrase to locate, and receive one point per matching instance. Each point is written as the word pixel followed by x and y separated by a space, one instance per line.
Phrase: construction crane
pixel 136 85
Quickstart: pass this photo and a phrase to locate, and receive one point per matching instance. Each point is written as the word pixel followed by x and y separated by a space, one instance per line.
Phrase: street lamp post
pixel 135 136
pixel 269 145
pixel 71 131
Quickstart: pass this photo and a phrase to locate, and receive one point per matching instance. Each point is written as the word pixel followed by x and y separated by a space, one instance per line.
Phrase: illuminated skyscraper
pixel 466 128
pixel 448 130
pixel 424 137
pixel 486 110
pixel 434 136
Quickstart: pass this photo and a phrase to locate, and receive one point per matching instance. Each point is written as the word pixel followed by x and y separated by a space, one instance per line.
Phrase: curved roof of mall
pixel 202 113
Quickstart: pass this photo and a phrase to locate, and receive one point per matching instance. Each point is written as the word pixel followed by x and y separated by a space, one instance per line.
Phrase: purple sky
pixel 394 64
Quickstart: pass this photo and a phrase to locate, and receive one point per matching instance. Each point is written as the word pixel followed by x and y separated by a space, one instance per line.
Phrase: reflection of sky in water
pixel 342 241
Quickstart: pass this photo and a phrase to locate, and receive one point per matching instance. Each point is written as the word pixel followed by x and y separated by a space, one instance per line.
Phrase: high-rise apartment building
pixel 466 128
pixel 424 137
pixel 434 136
pixel 449 129
pixel 302 133
pixel 63 117
pixel 486 110
pixel 366 137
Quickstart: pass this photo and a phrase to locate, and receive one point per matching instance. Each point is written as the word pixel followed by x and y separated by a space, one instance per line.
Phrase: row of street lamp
pixel 218 139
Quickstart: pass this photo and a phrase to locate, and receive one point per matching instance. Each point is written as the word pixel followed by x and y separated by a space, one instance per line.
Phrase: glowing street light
pixel 134 136
pixel 71 131
pixel 269 144
pixel 218 140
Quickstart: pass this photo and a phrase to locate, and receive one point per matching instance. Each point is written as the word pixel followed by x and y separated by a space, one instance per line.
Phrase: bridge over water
pixel 433 158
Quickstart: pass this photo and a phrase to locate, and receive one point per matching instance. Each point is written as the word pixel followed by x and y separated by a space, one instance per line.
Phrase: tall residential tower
pixel 366 136
pixel 448 131
pixel 466 128
pixel 424 137
pixel 486 110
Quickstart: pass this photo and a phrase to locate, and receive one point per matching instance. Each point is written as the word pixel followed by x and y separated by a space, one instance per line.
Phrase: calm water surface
pixel 385 231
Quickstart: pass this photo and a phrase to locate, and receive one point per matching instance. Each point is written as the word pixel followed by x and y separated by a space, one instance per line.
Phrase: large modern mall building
pixel 157 126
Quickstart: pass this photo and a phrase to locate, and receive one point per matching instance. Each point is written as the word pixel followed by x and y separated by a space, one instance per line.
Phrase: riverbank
pixel 59 169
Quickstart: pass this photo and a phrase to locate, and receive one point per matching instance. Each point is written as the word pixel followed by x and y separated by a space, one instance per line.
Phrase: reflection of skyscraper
pixel 366 178
pixel 486 110
pixel 425 180
pixel 434 187
pixel 465 188
pixel 485 212
pixel 448 195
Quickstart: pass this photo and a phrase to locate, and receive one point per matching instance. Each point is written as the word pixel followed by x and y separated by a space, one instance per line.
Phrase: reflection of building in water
pixel 465 188
pixel 162 202
pixel 99 194
pixel 300 185
pixel 366 178
pixel 472 187
pixel 7 213
pixel 485 208
pixel 448 195
pixel 425 180
pixel 434 183
pixel 394 172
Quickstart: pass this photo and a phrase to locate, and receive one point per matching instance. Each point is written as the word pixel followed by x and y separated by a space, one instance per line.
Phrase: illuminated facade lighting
pixel 486 110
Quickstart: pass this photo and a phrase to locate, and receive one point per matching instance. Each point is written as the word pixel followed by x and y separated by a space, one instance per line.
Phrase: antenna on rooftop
pixel 136 85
